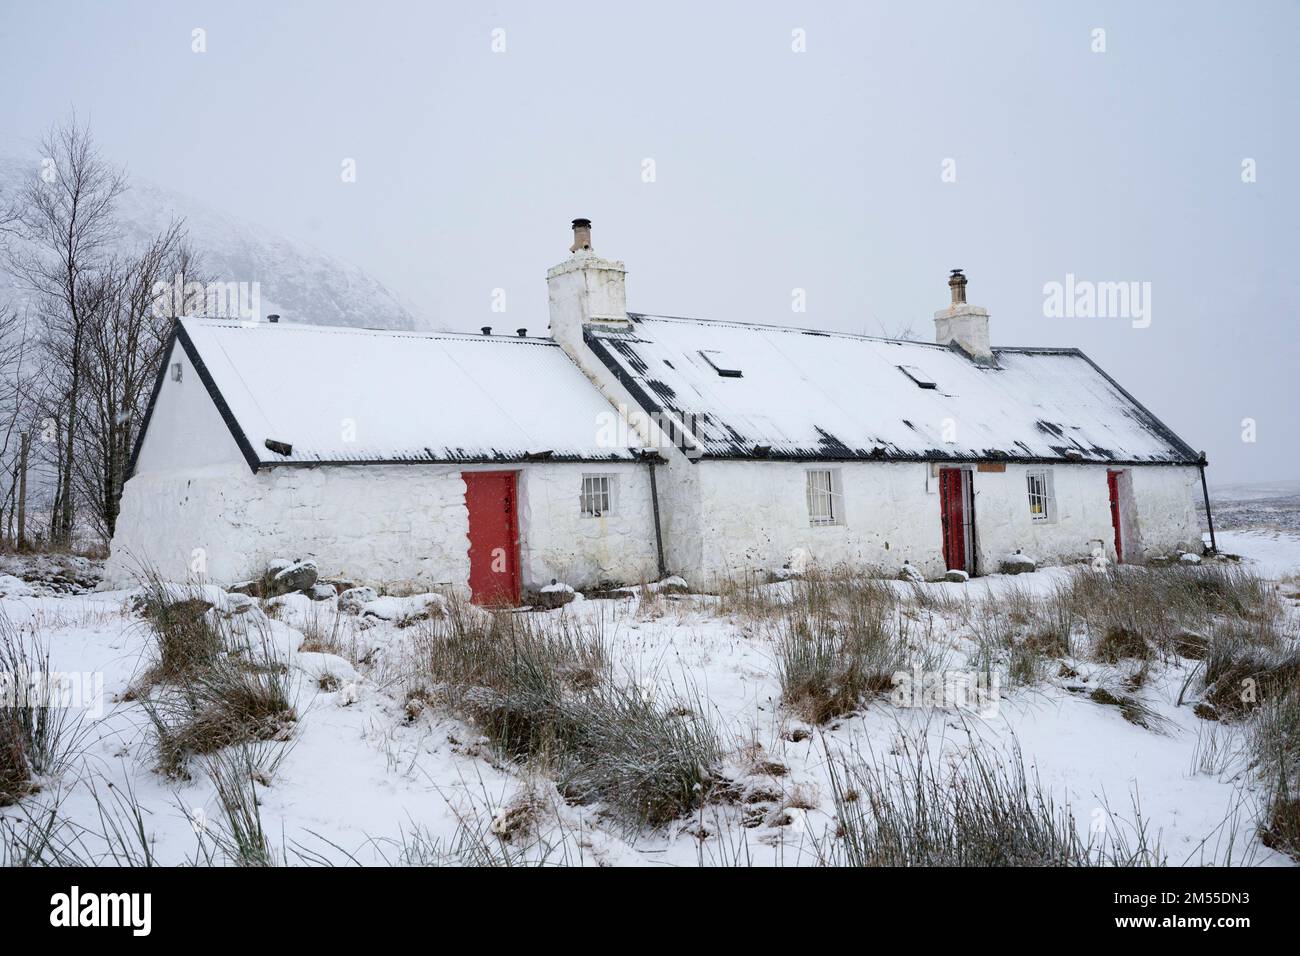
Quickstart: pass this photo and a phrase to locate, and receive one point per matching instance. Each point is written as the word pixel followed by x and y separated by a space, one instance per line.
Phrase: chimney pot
pixel 957 285
pixel 522 333
pixel 486 330
pixel 273 318
pixel 581 235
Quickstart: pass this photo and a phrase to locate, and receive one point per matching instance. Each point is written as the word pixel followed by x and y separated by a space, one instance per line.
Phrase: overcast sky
pixel 773 170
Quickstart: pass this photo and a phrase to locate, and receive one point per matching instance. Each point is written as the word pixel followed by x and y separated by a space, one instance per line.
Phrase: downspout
pixel 651 458
pixel 1205 491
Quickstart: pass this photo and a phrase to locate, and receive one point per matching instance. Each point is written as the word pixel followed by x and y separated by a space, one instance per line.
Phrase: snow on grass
pixel 374 774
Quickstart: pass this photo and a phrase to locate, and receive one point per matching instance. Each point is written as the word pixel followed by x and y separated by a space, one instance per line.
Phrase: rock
pixel 338 585
pixel 300 576
pixel 238 603
pixel 555 595
pixel 353 599
pixel 322 592
pixel 956 576
pixel 1017 564
pixel 405 610
pixel 670 585
pixel 908 572
pixel 1186 557
pixel 250 588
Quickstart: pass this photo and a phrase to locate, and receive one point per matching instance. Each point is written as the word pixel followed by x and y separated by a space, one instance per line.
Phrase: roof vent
pixel 581 235
pixel 486 330
pixel 279 447
pixel 273 318
pixel 522 333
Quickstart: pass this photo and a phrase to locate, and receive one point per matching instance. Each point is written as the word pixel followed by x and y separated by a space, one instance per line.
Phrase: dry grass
pixel 1140 613
pixel 38 731
pixel 915 810
pixel 185 637
pixel 840 640
pixel 541 690
pixel 748 598
pixel 1275 744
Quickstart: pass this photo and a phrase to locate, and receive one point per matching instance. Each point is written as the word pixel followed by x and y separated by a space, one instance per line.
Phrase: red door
pixel 493 537
pixel 952 511
pixel 1112 482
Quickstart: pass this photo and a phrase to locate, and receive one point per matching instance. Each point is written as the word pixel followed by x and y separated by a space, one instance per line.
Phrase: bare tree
pixel 128 326
pixel 65 219
pixel 17 384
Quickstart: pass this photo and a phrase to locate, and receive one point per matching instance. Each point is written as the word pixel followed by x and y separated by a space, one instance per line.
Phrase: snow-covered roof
pixel 747 391
pixel 352 395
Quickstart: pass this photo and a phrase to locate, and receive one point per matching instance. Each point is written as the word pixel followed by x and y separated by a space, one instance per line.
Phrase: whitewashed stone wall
pixel 755 513
pixel 402 526
pixel 558 542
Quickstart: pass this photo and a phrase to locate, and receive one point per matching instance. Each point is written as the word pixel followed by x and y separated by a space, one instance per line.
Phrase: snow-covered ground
pixel 364 774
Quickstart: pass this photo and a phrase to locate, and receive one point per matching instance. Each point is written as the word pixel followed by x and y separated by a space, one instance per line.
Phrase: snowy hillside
pixel 296 280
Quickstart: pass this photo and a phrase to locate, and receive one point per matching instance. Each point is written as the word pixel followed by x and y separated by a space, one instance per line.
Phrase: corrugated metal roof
pixel 822 395
pixel 358 395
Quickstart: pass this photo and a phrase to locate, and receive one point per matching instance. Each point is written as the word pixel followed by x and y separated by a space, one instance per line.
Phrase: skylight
pixel 721 364
pixel 916 375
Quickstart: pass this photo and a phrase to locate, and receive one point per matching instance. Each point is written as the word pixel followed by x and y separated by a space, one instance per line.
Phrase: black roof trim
pixel 799 456
pixel 180 335
pixel 236 432
pixel 523 458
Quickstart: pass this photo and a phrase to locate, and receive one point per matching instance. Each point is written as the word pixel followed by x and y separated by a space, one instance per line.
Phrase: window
pixel 721 363
pixel 597 496
pixel 1042 502
pixel 916 375
pixel 825 501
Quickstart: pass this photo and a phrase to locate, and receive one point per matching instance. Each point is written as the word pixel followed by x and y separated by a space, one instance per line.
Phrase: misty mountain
pixel 296 280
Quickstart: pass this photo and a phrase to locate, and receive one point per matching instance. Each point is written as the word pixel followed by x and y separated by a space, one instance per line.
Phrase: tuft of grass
pixel 540 689
pixel 239 835
pixel 243 695
pixel 185 636
pixel 647 762
pixel 838 643
pixel 749 598
pixel 1136 612
pixel 984 812
pixel 1275 744
pixel 38 732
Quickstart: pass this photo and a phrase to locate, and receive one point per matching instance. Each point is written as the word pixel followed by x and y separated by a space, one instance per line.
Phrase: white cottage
pixel 629 445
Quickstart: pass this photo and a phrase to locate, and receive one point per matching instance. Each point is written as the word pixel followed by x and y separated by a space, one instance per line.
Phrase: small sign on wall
pixel 993 466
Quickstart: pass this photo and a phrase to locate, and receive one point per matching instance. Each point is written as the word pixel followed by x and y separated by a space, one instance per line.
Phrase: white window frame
pixel 1042 496
pixel 597 497
pixel 824 497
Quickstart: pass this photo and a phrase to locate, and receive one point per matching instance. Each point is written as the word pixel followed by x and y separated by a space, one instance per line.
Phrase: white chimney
pixel 585 290
pixel 967 325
